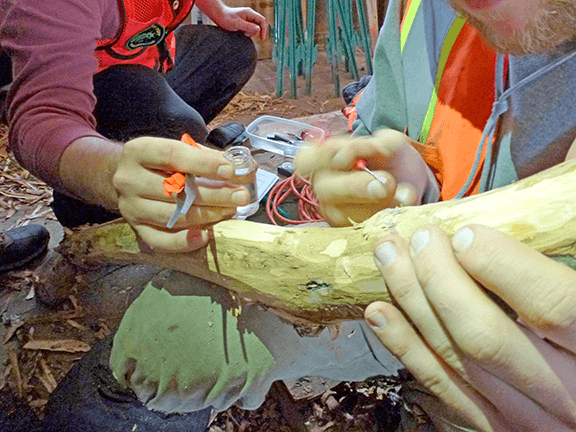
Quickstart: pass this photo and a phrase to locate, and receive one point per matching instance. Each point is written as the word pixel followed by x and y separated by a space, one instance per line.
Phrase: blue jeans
pixel 211 67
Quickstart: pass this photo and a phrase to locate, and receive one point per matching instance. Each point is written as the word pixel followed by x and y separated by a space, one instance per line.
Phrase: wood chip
pixel 63 345
pixel 47 377
pixel 74 324
pixel 16 372
pixel 38 403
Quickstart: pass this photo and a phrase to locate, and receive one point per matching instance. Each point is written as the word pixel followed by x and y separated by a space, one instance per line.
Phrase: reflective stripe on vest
pixel 145 36
pixel 460 104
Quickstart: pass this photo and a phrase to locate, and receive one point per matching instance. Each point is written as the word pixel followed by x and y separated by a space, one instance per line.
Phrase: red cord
pixel 306 205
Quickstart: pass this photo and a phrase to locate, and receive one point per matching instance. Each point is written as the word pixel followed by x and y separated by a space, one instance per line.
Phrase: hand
pixel 142 167
pixel 345 193
pixel 243 19
pixel 493 372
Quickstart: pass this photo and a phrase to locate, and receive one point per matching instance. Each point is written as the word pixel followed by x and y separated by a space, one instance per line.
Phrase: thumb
pixel 406 195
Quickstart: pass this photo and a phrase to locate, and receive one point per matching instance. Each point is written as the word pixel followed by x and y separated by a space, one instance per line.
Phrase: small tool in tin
pixel 361 165
pixel 296 137
pixel 281 138
pixel 186 196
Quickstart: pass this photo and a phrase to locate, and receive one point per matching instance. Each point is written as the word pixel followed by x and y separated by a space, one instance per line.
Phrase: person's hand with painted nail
pixel 496 373
pixel 347 195
pixel 142 167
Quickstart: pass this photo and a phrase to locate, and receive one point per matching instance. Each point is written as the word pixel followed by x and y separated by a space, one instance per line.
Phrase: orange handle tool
pixel 189 140
pixel 176 182
pixel 183 185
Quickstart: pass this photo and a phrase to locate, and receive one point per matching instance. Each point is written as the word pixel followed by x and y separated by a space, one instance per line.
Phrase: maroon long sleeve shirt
pixel 51 101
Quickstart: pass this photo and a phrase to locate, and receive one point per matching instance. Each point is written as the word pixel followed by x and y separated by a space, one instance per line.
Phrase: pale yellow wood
pixel 372 18
pixel 324 275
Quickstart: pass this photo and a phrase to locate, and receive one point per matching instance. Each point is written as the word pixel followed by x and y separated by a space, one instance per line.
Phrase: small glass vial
pixel 245 167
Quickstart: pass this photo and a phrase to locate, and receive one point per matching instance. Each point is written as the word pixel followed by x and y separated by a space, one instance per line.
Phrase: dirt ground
pixel 31 374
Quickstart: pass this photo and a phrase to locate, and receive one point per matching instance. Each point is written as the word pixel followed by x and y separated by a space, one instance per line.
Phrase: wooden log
pixel 325 275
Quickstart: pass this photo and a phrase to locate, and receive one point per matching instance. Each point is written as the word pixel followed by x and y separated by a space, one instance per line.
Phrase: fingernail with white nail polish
pixel 462 239
pixel 376 319
pixel 419 241
pixel 386 253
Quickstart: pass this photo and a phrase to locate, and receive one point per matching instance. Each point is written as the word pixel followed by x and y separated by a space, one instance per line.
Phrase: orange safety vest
pixel 145 35
pixel 461 104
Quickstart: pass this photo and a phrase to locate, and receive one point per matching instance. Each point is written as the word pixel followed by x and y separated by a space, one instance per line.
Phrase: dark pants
pixel 211 67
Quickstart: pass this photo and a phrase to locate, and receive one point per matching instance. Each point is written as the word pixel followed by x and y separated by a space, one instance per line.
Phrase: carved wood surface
pixel 325 275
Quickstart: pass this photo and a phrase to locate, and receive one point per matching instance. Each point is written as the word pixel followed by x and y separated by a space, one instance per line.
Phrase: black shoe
pixel 89 399
pixel 21 245
pixel 351 90
pixel 227 135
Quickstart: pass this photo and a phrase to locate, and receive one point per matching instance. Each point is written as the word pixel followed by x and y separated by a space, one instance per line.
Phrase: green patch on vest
pixel 150 36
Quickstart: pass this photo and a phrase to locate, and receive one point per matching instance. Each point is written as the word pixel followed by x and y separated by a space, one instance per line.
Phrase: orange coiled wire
pixel 300 187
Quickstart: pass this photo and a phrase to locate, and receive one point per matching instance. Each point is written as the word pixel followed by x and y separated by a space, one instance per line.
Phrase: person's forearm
pixel 212 8
pixel 87 167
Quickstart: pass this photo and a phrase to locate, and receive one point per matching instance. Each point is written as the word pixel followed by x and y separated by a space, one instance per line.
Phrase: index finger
pixel 263 24
pixel 341 152
pixel 173 155
pixel 318 156
pixel 252 16
pixel 377 149
pixel 541 290
pixel 355 187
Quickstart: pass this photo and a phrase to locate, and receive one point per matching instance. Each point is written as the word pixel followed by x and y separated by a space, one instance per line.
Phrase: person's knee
pixel 133 101
pixel 248 49
pixel 245 54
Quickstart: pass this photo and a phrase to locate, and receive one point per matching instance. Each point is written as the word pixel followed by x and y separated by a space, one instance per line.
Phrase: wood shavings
pixel 346 407
pixel 19 280
pixel 21 190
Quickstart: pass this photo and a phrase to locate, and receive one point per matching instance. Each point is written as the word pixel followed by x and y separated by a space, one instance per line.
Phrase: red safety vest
pixel 145 36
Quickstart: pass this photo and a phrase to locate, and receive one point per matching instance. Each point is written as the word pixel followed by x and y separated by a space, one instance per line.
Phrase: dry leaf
pixel 16 371
pixel 12 330
pixel 64 345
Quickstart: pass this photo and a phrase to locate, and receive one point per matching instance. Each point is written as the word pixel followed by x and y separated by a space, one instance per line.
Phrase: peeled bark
pixel 325 275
